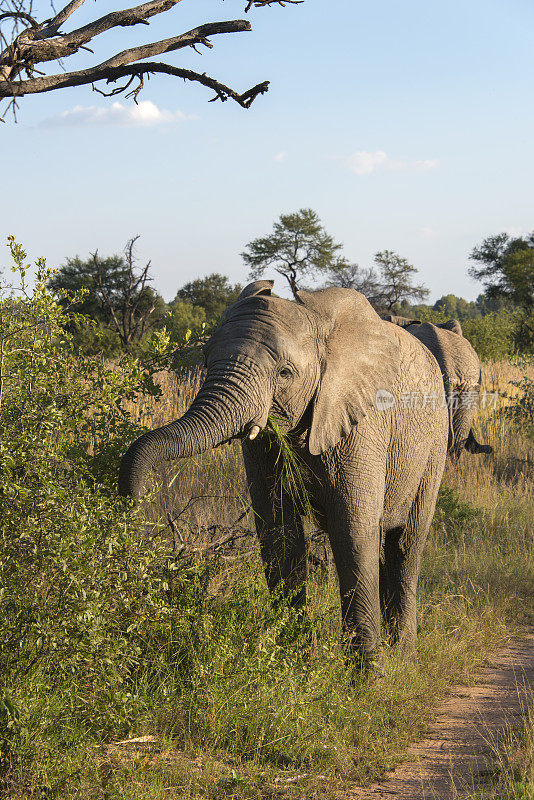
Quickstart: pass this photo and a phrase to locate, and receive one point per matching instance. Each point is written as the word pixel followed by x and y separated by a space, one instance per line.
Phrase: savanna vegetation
pixel 119 311
pixel 120 621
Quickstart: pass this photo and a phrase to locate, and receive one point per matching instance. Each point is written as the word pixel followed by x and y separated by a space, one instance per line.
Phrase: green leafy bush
pixel 494 336
pixel 101 622
pixel 84 598
pixel 521 407
pixel 453 515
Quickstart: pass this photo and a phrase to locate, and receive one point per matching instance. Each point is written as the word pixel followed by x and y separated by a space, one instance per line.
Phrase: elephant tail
pixel 472 446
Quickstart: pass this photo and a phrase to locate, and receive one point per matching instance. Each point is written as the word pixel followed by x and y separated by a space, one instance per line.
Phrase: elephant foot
pixel 362 660
pixel 367 667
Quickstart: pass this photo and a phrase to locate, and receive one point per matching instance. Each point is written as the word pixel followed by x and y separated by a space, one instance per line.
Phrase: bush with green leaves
pixel 85 603
pixel 494 336
pixel 521 406
pixel 453 516
pixel 182 318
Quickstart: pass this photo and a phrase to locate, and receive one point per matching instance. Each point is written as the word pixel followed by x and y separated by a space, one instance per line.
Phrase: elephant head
pixel 313 362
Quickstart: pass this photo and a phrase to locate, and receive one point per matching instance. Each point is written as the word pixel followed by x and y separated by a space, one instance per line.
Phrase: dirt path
pixel 458 747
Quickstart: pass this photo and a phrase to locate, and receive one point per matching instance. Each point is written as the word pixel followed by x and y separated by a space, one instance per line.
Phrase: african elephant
pixel 461 372
pixel 334 374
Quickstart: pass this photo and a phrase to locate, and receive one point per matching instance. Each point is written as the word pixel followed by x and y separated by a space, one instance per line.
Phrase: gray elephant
pixel 336 375
pixel 460 367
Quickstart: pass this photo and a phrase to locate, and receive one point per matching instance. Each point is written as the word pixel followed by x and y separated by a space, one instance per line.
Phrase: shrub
pixel 521 407
pixel 102 623
pixel 84 598
pixel 494 335
pixel 453 515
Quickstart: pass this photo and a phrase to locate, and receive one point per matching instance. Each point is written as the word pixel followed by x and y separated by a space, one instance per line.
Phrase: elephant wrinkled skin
pixel 335 373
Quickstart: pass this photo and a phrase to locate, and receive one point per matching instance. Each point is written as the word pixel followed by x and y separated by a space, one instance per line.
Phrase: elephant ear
pixel 257 288
pixel 360 356
pixel 452 325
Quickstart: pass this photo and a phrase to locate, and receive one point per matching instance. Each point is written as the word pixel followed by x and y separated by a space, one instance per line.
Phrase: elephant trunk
pixel 225 407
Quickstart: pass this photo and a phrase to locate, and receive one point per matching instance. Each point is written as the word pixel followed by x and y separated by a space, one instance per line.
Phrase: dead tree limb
pixel 130 312
pixel 42 42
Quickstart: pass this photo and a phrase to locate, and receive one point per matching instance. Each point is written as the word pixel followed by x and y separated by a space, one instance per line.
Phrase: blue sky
pixel 407 126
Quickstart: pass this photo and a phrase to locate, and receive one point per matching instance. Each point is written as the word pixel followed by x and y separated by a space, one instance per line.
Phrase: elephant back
pixel 458 362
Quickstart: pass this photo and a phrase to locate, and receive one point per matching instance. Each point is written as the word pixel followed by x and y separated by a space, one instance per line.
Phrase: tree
pixel 116 292
pixel 214 294
pixel 490 305
pixel 183 317
pixel 395 283
pixel 388 288
pixel 26 42
pixel 452 306
pixel 505 266
pixel 79 274
pixel 352 276
pixel 298 247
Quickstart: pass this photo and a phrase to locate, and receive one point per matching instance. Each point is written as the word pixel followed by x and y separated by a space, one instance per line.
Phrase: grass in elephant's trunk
pixel 293 471
pixel 244 702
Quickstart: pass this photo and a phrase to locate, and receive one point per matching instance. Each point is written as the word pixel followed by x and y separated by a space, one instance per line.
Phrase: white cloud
pixel 281 156
pixel 363 162
pixel 144 114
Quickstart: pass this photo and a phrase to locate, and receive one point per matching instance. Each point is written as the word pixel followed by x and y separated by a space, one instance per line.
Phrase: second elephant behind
pixel 460 367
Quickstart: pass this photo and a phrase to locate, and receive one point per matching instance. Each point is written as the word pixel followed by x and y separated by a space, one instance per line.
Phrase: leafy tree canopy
pixel 214 294
pixel 454 307
pixel 388 285
pixel 183 317
pixel 116 293
pixel 396 281
pixel 77 273
pixel 505 266
pixel 298 248
pixel 352 276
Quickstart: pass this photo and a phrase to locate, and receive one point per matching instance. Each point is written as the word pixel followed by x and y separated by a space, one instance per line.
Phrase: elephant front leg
pixel 278 525
pixel 355 546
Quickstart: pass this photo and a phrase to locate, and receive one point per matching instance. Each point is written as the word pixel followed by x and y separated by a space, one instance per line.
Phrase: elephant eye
pixel 285 372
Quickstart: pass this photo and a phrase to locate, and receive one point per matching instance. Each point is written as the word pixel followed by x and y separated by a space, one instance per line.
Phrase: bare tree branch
pixel 41 42
pixel 46 84
pixel 36 52
pixel 262 3
pixel 130 319
pixel 104 294
pixel 56 22
pixel 19 15
pixel 37 46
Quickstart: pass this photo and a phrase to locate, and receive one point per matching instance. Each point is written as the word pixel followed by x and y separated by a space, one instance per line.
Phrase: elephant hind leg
pixel 390 597
pixel 401 562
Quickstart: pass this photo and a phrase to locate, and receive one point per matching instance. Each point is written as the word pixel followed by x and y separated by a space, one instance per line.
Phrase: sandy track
pixel 458 748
